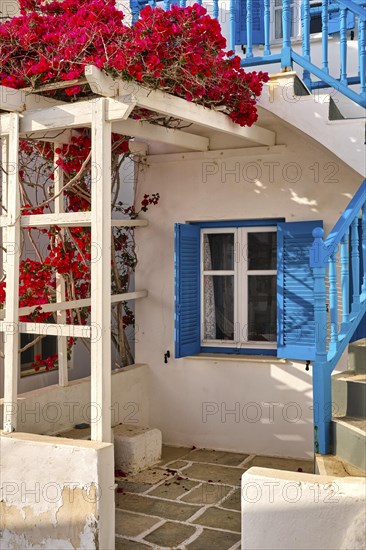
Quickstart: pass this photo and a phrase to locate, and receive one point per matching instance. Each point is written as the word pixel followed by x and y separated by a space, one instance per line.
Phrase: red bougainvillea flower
pixel 180 51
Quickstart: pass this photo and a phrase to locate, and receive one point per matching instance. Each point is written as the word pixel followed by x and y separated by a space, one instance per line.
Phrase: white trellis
pixel 108 112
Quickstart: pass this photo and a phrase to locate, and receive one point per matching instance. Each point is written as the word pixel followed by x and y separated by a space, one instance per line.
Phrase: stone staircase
pixel 349 418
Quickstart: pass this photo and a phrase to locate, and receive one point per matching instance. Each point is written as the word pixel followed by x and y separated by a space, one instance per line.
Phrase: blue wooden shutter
pixel 187 290
pixel 334 21
pixel 241 22
pixel 295 306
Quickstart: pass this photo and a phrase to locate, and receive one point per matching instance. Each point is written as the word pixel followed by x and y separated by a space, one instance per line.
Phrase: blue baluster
pixel 345 282
pixel 333 302
pixel 232 25
pixel 135 10
pixel 152 3
pixel 363 234
pixel 322 394
pixel 343 44
pixel 362 56
pixel 267 21
pixel 355 261
pixel 305 27
pixel 167 5
pixel 249 29
pixel 286 62
pixel 325 36
pixel 216 9
pixel 199 2
pixel 182 3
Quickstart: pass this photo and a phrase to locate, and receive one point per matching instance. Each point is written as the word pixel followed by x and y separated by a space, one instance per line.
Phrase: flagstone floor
pixel 190 500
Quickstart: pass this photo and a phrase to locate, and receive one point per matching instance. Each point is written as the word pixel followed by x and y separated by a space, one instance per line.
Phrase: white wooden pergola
pixel 32 115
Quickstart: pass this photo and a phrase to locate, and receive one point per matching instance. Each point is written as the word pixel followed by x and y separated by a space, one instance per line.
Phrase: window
pixel 244 287
pixel 45 348
pixel 238 287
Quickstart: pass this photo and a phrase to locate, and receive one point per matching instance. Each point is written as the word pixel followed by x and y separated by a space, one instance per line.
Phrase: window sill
pixel 238 358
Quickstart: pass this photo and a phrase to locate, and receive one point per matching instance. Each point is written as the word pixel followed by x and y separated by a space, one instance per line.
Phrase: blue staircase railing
pixel 340 261
pixel 247 16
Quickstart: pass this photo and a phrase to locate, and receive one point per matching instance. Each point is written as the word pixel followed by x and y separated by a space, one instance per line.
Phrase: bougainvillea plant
pixel 180 51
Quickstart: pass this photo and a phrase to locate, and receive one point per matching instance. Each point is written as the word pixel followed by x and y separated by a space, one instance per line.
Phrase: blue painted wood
pixel 286 60
pixel 325 36
pixel 341 228
pixel 216 9
pixel 249 24
pixel 187 290
pixel 305 36
pixel 320 84
pixel 333 82
pixel 322 404
pixel 182 3
pixel 322 397
pixel 167 5
pixel 355 263
pixel 135 10
pixel 295 300
pixel 343 46
pixel 362 57
pixel 239 351
pixel 241 17
pixel 334 23
pixel 267 23
pixel 273 58
pixel 333 303
pixel 345 282
pixel 265 222
pixel 234 30
pixel 363 241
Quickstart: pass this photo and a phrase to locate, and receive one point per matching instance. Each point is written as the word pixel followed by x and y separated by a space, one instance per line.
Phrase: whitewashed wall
pixel 191 398
pixel 56 493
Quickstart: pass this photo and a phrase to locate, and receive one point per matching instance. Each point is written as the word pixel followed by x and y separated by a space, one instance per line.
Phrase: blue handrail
pixel 347 240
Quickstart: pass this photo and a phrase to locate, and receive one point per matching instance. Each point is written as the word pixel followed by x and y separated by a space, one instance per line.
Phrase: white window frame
pixel 240 273
pixel 297 12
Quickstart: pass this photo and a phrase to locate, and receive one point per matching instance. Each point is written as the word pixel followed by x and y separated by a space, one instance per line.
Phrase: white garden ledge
pixel 296 511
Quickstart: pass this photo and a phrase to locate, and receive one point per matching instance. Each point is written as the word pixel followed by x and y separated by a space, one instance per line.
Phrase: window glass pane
pixel 262 307
pixel 26 356
pixel 49 346
pixel 218 307
pixel 262 250
pixel 218 251
pixel 278 21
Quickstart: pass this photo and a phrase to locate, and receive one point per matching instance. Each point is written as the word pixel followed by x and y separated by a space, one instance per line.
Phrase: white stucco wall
pixel 182 391
pixel 56 493
pixel 292 511
pixel 54 408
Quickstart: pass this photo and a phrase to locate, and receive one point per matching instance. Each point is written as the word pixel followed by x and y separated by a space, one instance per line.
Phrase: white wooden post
pixel 60 281
pixel 101 183
pixel 11 333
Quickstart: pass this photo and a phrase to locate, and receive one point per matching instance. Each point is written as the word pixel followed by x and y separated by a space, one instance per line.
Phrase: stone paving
pixel 189 501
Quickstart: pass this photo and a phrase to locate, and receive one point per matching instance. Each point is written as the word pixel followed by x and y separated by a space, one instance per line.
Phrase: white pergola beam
pixel 63 375
pixel 101 280
pixel 100 83
pixel 67 115
pixel 169 105
pixel 11 99
pixel 43 329
pixel 154 132
pixel 11 337
pixel 68 219
pixel 76 304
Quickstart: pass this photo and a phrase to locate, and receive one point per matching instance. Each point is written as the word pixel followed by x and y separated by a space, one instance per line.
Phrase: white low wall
pixel 291 511
pixel 56 493
pixel 54 408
